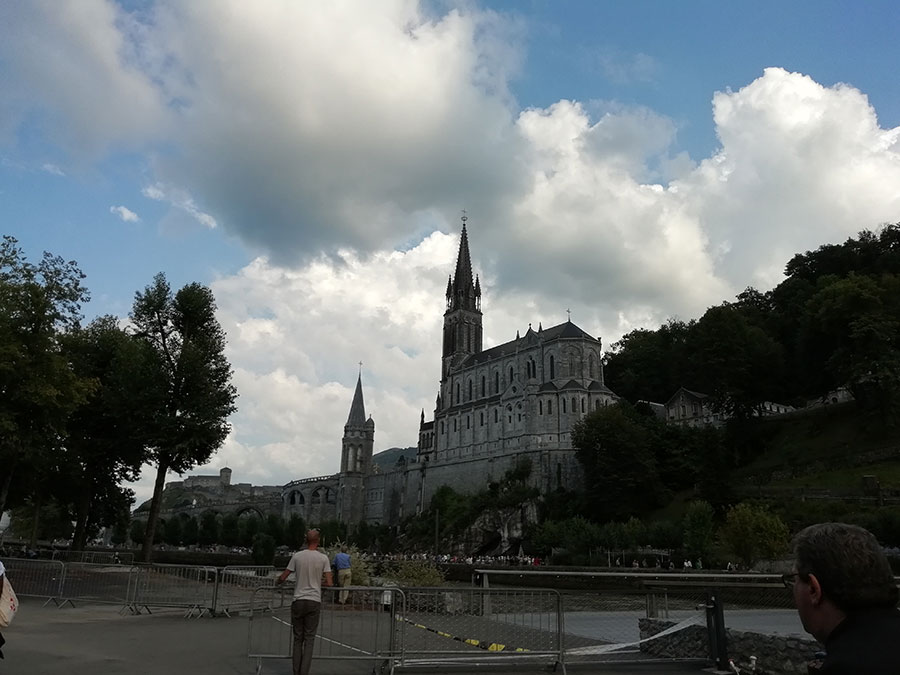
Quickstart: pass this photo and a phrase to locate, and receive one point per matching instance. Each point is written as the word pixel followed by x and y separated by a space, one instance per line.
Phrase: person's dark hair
pixel 849 564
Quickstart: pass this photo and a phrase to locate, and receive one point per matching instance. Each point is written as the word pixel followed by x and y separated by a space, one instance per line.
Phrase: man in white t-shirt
pixel 311 569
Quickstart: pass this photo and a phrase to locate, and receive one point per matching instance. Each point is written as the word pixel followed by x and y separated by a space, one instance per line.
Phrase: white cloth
pixel 308 567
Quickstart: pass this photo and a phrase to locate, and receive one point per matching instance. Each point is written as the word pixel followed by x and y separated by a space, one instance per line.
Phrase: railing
pixel 187 587
pixel 363 629
pixel 237 584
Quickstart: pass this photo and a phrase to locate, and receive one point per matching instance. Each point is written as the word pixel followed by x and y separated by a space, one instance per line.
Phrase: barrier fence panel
pixel 362 629
pixel 616 616
pixel 237 584
pixel 36 578
pixel 98 583
pixel 99 557
pixel 481 626
pixel 192 588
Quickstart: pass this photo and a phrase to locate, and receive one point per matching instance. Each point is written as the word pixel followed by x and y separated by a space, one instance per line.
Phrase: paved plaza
pixel 97 640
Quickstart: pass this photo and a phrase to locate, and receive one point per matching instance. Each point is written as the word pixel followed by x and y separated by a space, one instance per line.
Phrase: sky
pixel 629 162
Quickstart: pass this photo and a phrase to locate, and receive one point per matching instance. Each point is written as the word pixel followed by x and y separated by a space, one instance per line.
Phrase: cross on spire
pixel 569 314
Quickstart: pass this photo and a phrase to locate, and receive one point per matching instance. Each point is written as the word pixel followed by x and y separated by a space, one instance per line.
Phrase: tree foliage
pixel 187 388
pixel 38 388
pixel 752 533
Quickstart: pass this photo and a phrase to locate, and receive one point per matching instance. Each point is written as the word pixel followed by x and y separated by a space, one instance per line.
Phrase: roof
pixel 358 407
pixel 564 331
pixel 695 394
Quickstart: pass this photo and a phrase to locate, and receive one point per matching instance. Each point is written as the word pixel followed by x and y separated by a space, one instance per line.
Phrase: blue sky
pixel 631 161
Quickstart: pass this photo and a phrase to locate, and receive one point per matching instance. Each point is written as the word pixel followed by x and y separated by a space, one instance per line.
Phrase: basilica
pixel 496 408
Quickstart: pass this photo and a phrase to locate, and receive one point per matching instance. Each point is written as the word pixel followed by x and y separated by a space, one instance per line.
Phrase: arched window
pixel 582 405
pixel 442 426
pixel 552 368
pixel 470 389
pixel 457 393
pixel 482 419
pixel 496 415
pixel 468 422
pixel 330 496
pixel 592 365
pixel 574 405
pixel 564 405
pixel 540 407
pixel 482 386
pixel 317 496
pixel 454 425
pixel 510 374
pixel 496 381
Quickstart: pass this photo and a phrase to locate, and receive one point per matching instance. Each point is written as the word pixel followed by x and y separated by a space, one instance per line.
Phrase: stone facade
pixel 495 408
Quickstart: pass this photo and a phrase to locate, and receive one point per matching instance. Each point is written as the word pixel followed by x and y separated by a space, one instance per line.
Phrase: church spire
pixel 462 291
pixel 462 320
pixel 357 408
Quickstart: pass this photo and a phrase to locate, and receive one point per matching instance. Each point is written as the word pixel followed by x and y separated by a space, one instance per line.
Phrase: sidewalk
pixel 96 640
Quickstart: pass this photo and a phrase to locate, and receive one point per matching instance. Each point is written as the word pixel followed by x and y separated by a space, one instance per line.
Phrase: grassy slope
pixel 830 448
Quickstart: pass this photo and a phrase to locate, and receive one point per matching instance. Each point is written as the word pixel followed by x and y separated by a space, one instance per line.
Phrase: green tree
pixel 103 447
pixel 738 364
pixel 38 389
pixel 853 328
pixel 137 530
pixel 231 533
pixel 752 533
pixel 615 448
pixel 190 394
pixel 635 533
pixel 699 528
pixel 172 535
pixel 190 533
pixel 275 528
pixel 263 549
pixel 295 532
pixel 209 529
pixel 248 528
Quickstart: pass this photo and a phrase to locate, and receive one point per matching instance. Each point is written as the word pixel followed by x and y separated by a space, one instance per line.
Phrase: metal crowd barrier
pixel 363 629
pixel 36 578
pixel 100 557
pixel 188 587
pixel 97 583
pixel 236 585
pixel 480 627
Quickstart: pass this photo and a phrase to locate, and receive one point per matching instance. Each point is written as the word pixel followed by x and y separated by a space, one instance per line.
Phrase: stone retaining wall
pixel 775 654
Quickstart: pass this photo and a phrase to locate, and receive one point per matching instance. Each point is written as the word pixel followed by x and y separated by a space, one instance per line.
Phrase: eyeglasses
pixel 790 579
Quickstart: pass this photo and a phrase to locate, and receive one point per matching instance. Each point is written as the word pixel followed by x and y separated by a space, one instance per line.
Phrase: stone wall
pixel 775 654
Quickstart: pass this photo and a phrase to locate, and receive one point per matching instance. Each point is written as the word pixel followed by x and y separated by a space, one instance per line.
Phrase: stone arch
pixel 317 496
pixel 296 498
pixel 249 509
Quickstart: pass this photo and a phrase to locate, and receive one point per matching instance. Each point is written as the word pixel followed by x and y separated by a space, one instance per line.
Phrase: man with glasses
pixel 846 597
pixel 311 569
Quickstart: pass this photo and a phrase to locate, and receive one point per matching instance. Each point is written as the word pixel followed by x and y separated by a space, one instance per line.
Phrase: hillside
pixel 828 448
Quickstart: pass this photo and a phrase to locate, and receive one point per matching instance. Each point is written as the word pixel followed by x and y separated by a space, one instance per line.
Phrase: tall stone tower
pixel 462 320
pixel 356 459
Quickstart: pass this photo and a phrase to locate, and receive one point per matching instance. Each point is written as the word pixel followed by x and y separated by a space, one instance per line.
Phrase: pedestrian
pixel 311 569
pixel 344 576
pixel 846 597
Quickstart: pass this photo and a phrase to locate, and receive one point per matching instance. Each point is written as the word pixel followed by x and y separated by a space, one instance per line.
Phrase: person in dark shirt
pixel 846 597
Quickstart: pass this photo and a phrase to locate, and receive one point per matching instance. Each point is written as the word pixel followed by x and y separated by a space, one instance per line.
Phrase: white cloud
pixel 328 136
pixel 180 200
pixel 124 213
pixel 52 169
